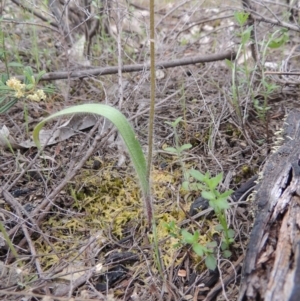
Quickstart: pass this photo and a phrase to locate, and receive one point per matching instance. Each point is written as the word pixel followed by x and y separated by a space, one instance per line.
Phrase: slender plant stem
pixel 149 203
pixel 119 31
pixel 151 113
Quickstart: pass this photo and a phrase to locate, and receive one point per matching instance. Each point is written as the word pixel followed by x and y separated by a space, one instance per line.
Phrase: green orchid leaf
pixel 124 128
pixel 229 64
pixel 4 78
pixel 174 123
pixel 5 88
pixel 185 186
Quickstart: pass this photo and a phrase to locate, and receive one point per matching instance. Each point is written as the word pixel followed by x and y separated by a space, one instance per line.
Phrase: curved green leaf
pixel 123 126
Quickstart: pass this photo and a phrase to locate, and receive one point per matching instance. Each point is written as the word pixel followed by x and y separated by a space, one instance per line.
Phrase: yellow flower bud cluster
pixel 37 96
pixel 16 85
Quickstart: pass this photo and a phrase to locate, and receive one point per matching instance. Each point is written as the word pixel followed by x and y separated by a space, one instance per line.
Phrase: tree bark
pixel 271 268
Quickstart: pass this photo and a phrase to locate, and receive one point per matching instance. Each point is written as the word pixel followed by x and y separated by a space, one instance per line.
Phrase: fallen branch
pixel 37 14
pixel 230 55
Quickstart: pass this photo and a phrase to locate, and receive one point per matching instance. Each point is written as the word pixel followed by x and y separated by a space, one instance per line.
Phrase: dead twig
pixel 31 10
pixel 31 294
pixel 31 247
pixel 277 22
pixel 230 55
pixel 29 23
pixel 282 73
pixel 203 22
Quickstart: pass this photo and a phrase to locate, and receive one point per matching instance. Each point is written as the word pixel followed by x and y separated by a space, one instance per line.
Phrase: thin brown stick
pixel 31 10
pixel 29 23
pixel 29 241
pixel 119 46
pixel 196 23
pixel 275 22
pixel 15 204
pixel 31 294
pixel 281 73
pixel 148 196
pixel 227 279
pixel 230 55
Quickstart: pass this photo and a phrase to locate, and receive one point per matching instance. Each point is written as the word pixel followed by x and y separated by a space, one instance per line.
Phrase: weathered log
pixel 271 269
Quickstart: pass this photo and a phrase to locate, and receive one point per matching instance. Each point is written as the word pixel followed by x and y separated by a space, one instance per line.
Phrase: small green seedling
pixel 241 17
pixel 208 186
pixel 218 201
pixel 178 149
pixel 200 250
pixel 186 238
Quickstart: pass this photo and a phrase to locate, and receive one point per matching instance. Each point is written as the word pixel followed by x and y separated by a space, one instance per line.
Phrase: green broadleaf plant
pixel 218 201
pixel 200 250
pixel 211 261
pixel 187 238
pixel 209 190
pixel 241 17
